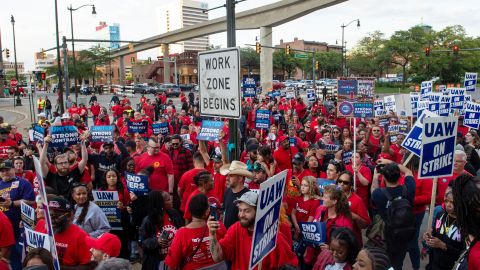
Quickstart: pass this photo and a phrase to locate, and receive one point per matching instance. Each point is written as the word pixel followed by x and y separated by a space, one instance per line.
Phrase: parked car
pixel 86 90
pixel 187 87
pixel 141 88
pixel 170 89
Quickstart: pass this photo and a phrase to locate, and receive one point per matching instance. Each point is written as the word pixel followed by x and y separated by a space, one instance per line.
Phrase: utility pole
pixel 59 65
pixel 2 72
pixel 231 42
pixel 65 65
pixel 18 101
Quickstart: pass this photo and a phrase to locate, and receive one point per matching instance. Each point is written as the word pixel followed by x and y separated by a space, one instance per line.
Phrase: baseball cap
pixel 108 243
pixel 249 198
pixel 252 147
pixel 257 167
pixel 6 164
pixel 298 159
pixel 282 138
pixel 217 158
pixel 59 204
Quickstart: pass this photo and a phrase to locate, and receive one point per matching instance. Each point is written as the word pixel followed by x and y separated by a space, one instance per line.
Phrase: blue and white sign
pixel 210 130
pixel 422 106
pixel 36 240
pixel 438 147
pixel 425 89
pixel 348 88
pixel 311 96
pixel 470 81
pixel 262 119
pixel 28 215
pixel 38 133
pixel 102 134
pixel 323 182
pixel 363 110
pixel 389 103
pixel 267 217
pixel 108 202
pixel 413 140
pixel 63 136
pixel 345 109
pixel 458 97
pixel 313 233
pixel 378 105
pixel 414 97
pixel 136 183
pixel 445 102
pixel 249 87
pixel 472 115
pixel 137 127
pixel 467 99
pixel 160 128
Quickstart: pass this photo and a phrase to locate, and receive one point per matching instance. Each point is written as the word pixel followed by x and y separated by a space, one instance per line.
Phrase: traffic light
pixel 44 54
pixel 427 51
pixel 132 60
pixel 287 50
pixel 455 49
pixel 258 47
pixel 316 65
pixel 7 53
pixel 43 76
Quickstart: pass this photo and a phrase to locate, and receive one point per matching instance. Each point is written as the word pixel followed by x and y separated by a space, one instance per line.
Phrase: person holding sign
pixel 237 243
pixel 7 238
pixel 307 204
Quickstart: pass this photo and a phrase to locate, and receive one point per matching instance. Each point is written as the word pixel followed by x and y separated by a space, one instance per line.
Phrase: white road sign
pixel 219 77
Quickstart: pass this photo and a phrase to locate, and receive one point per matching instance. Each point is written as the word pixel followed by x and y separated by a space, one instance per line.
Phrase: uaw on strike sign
pixel 438 146
pixel 219 77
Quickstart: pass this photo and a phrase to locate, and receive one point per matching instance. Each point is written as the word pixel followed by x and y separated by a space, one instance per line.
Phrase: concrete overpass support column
pixel 266 58
pixel 121 75
pixel 166 64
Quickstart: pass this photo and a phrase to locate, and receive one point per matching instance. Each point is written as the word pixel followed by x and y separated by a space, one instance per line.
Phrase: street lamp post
pixel 344 52
pixel 71 9
pixel 18 101
pixel 59 65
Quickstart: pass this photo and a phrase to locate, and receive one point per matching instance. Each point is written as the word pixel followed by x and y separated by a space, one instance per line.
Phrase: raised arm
pixel 83 162
pixel 202 148
pixel 43 155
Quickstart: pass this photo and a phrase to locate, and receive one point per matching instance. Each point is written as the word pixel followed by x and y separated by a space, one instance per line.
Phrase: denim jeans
pixel 413 247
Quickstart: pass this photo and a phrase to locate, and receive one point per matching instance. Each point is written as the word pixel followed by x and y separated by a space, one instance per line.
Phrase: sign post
pixel 267 218
pixel 438 149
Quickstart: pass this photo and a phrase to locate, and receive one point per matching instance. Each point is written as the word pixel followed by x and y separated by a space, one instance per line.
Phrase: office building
pixel 108 32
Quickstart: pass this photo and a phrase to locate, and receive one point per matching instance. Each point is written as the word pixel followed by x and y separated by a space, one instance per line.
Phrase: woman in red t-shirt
pixel 306 204
pixel 265 157
pixel 190 247
pixel 363 177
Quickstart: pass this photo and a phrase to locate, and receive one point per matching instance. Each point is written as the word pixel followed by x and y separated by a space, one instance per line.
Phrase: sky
pixel 35 21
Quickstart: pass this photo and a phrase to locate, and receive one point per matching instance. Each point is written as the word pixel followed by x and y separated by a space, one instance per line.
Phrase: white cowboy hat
pixel 236 168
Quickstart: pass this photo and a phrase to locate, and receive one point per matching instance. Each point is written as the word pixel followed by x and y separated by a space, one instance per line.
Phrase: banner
pixel 313 233
pixel 390 104
pixel 262 119
pixel 267 217
pixel 108 201
pixel 363 110
pixel 366 90
pixel 38 133
pixel 311 96
pixel 470 82
pixel 36 240
pixel 422 106
pixel 347 94
pixel 393 131
pixel 323 182
pixel 249 88
pixel 331 148
pixel 414 97
pixel 102 133
pixel 457 97
pixel 413 140
pixel 63 136
pixel 210 130
pixel 472 115
pixel 28 215
pixel 160 128
pixel 137 127
pixel 356 98
pixel 137 184
pixel 425 89
pixel 438 147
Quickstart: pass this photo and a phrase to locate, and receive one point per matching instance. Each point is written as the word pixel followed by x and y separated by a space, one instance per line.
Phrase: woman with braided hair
pixel 372 258
pixel 466 194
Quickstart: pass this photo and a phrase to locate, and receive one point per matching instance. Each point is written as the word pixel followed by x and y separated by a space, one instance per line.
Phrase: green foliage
pixel 284 63
pixel 249 58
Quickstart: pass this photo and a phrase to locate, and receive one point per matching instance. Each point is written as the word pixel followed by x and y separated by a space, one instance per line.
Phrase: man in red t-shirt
pixel 7 238
pixel 284 154
pixel 70 240
pixel 162 176
pixel 186 185
pixel 459 162
pixel 5 142
pixel 237 243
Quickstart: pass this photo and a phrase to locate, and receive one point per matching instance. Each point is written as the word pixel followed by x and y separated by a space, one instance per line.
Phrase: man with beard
pixel 284 154
pixel 106 160
pixel 70 240
pixel 5 142
pixel 259 176
pixel 62 179
pixel 237 243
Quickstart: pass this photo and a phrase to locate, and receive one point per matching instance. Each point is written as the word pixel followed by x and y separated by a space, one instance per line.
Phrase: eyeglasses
pixel 175 144
pixel 347 183
pixel 376 130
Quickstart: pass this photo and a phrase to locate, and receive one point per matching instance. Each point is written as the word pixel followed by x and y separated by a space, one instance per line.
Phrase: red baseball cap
pixel 282 138
pixel 107 243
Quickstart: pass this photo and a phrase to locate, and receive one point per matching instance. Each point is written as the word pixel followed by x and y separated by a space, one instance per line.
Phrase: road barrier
pixel 126 90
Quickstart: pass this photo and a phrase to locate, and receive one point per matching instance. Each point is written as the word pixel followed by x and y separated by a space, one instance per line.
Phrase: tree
pixel 11 74
pixel 285 63
pixel 368 57
pixel 249 59
pixel 95 57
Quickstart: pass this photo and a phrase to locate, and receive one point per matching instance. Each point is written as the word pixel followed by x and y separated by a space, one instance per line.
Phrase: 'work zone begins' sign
pixel 219 73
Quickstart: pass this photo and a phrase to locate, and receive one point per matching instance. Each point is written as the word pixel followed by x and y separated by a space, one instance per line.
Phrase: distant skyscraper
pixel 108 32
pixel 178 14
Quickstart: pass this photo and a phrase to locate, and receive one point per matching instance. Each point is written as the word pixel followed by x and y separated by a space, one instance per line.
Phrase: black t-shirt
pixel 231 209
pixel 63 184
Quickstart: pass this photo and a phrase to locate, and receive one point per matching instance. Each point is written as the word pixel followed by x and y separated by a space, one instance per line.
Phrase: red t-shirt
pixel 374 145
pixel 27 175
pixel 474 257
pixel 237 243
pixel 219 184
pixel 305 208
pixel 423 194
pixel 95 109
pixel 186 241
pixel 162 167
pixel 397 156
pixel 284 157
pixel 358 207
pixel 188 186
pixel 74 110
pixel 188 215
pixel 4 147
pixel 292 192
pixel 6 231
pixel 169 227
pixel 71 245
pixel 362 191
pixel 443 184
pixel 338 221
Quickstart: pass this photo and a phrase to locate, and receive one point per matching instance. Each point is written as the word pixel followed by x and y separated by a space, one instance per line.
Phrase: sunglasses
pixel 175 144
pixel 376 130
pixel 348 183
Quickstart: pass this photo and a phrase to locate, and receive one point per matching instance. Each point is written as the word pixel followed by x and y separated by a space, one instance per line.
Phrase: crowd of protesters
pixel 200 210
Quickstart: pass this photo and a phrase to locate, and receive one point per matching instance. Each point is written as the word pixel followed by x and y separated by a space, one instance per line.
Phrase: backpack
pixel 400 222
